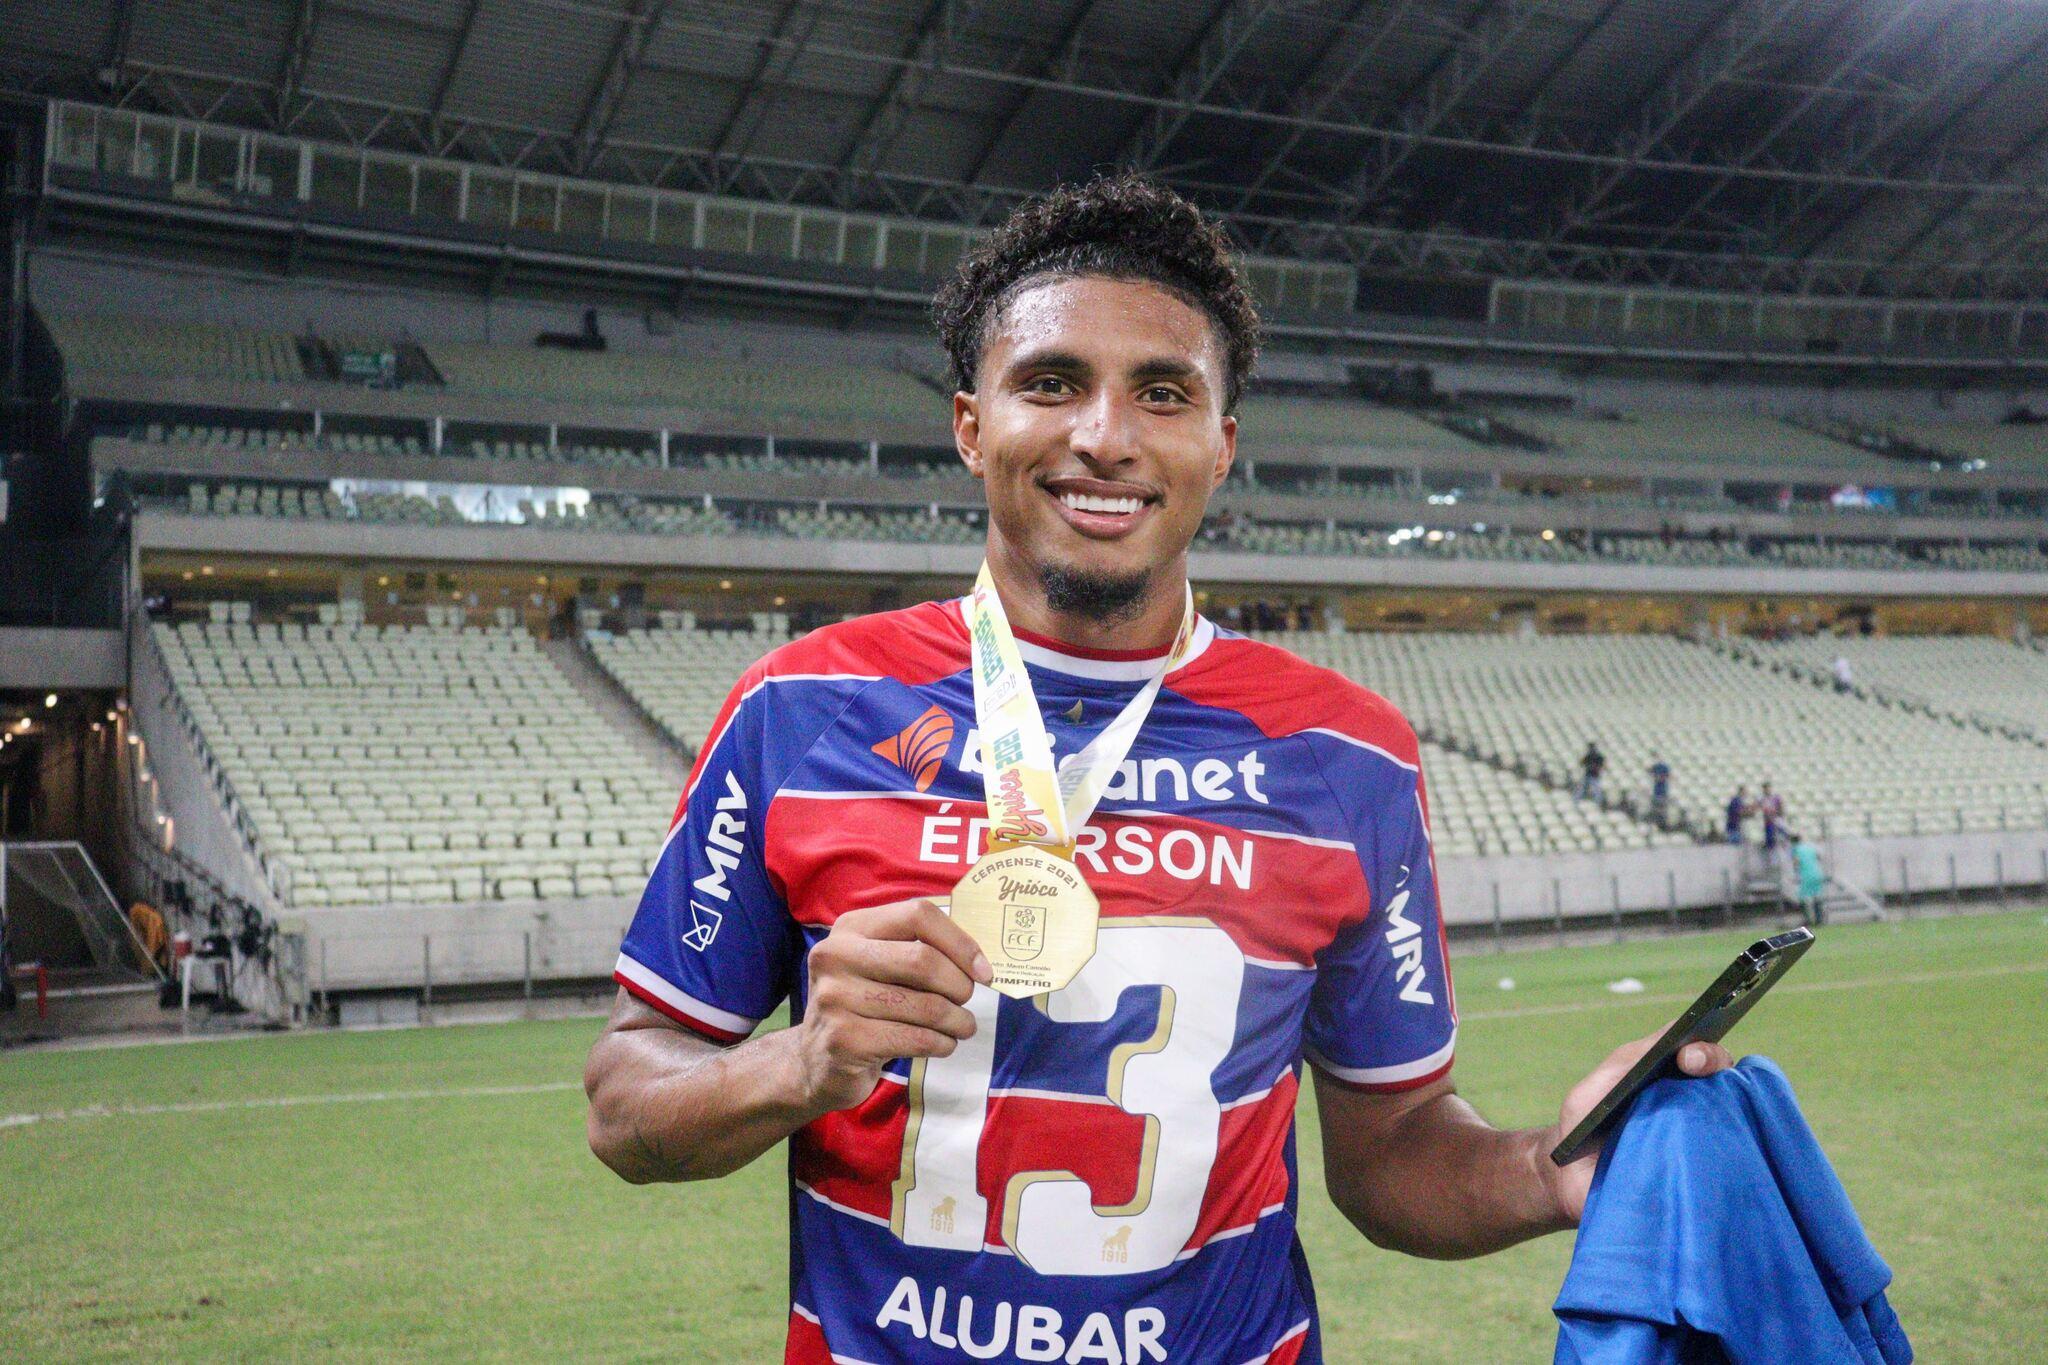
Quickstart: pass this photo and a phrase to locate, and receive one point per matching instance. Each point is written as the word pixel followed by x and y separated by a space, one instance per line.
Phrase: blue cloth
pixel 1717 1231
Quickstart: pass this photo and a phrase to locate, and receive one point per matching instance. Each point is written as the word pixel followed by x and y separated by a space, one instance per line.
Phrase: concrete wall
pixel 399 947
pixel 1540 886
pixel 37 658
pixel 359 948
pixel 184 788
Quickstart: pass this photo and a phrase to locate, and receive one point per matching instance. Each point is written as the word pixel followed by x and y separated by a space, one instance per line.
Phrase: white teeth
pixel 1088 502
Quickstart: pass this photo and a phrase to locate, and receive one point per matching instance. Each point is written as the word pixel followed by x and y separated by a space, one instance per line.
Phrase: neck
pixel 1152 625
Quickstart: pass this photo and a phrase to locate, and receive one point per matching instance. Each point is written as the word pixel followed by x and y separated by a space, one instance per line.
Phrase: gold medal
pixel 1024 901
pixel 1033 915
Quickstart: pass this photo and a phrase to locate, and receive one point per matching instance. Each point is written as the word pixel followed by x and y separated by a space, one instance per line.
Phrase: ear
pixel 967 431
pixel 1226 455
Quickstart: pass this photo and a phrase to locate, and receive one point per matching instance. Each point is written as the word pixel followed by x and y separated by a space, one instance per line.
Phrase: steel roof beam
pixel 1327 93
pixel 1872 40
pixel 1941 217
pixel 615 80
pixel 291 69
pixel 120 33
pixel 1496 30
pixel 1063 56
pixel 890 113
pixel 1726 47
pixel 1229 28
pixel 1996 39
pixel 446 80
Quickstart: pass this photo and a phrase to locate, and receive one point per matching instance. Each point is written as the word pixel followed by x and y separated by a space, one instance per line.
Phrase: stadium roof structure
pixel 1880 148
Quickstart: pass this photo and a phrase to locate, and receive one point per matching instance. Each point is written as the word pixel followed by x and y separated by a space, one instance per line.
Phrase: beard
pixel 1098 596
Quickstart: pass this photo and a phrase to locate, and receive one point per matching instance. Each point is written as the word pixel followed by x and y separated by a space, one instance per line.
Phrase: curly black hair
pixel 1123 227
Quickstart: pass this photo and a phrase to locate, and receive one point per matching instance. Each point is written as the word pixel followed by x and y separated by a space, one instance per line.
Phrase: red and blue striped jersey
pixel 1106 1172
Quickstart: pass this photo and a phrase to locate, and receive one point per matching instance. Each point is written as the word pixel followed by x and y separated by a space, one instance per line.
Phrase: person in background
pixel 1813 878
pixel 1738 811
pixel 1660 788
pixel 1845 677
pixel 1592 764
pixel 1771 807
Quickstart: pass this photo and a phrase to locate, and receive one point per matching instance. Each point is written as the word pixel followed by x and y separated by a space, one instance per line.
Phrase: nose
pixel 1106 430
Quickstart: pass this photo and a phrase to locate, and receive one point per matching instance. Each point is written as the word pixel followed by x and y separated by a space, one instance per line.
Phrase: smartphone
pixel 1706 1020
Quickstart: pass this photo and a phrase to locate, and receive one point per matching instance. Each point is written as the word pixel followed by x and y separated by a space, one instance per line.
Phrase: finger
pixel 879 1044
pixel 922 919
pixel 915 964
pixel 896 1005
pixel 1704 1059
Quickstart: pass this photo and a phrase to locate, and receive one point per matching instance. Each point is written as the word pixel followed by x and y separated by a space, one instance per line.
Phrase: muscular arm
pixel 1420 1171
pixel 669 1104
pixel 887 982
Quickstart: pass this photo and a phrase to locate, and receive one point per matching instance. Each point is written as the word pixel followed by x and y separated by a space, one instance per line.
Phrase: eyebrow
pixel 1067 362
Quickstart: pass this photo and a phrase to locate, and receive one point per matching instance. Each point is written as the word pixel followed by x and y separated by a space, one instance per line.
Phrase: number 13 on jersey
pixel 1049 1217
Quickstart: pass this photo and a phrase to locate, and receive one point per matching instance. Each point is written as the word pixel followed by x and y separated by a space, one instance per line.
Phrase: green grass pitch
pixel 427 1193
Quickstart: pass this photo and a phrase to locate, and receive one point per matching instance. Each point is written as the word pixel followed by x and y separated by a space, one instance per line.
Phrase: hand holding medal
pixel 1024 901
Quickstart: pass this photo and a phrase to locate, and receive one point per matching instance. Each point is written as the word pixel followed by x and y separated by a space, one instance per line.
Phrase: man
pixel 1660 788
pixel 1845 676
pixel 1105 1172
pixel 1813 877
pixel 1770 808
pixel 1738 811
pixel 1592 764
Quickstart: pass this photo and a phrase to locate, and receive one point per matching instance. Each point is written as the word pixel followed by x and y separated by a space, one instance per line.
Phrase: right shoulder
pixel 913 645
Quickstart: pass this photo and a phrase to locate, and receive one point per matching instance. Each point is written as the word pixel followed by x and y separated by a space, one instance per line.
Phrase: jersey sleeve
pixel 713 945
pixel 1381 1016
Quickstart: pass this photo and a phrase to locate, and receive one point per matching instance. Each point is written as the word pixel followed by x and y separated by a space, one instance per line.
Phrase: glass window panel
pixel 818 237
pixel 582 212
pixel 903 249
pixel 861 240
pixel 534 205
pixel 675 222
pixel 77 139
pixel 439 194
pixel 335 176
pixel 220 156
pixel 490 198
pixel 1608 316
pixel 275 171
pixel 154 148
pixel 725 228
pixel 631 218
pixel 117 143
pixel 774 233
pixel 387 184
pixel 942 252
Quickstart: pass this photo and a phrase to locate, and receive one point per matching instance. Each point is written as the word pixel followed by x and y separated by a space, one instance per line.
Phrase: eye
pixel 1162 393
pixel 1050 384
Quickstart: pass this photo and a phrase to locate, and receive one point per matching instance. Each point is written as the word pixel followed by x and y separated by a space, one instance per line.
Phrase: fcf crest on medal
pixel 1023 931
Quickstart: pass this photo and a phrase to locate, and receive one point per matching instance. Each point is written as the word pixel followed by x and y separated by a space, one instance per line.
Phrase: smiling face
pixel 1097 426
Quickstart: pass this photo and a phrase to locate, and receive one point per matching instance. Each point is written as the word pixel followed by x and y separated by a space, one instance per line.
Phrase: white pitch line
pixel 100 1111
pixel 1796 987
pixel 105 1111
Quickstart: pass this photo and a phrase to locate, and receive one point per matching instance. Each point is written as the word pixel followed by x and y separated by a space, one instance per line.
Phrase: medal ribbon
pixel 1030 799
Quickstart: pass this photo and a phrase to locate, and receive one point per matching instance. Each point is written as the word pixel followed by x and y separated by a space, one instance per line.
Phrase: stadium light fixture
pixel 1549 534
pixel 113 716
pixel 50 702
pixel 725 583
pixel 206 570
pixel 780 601
pixel 23 726
pixel 135 739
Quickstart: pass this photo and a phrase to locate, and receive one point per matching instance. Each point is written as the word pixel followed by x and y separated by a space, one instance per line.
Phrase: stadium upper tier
pixel 1844 764
pixel 1962 675
pixel 2001 445
pixel 756 389
pixel 175 350
pixel 1719 437
pixel 393 764
pixel 627 513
